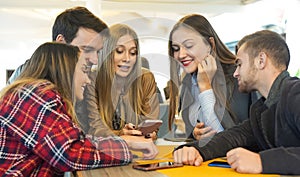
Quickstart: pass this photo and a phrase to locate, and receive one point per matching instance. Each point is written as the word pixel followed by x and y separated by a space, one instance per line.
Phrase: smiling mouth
pixel 124 68
pixel 186 62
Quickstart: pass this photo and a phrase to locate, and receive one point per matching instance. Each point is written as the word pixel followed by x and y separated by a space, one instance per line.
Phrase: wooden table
pixel 120 171
pixel 128 171
pixel 164 153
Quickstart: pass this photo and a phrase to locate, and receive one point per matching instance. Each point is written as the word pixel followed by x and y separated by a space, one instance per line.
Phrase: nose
pixel 236 73
pixel 126 57
pixel 92 58
pixel 182 52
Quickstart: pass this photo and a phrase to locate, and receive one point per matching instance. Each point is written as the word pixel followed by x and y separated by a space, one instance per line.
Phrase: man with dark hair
pixel 269 142
pixel 79 27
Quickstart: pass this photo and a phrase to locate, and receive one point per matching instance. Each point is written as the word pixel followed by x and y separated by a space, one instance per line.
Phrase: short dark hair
pixel 69 21
pixel 272 43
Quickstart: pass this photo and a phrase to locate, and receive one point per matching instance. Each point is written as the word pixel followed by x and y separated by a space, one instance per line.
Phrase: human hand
pixel 188 156
pixel 200 131
pixel 206 70
pixel 129 129
pixel 244 161
pixel 144 145
pixel 152 135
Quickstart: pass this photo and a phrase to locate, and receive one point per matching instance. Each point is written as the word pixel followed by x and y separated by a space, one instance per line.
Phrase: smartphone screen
pixel 156 166
pixel 219 164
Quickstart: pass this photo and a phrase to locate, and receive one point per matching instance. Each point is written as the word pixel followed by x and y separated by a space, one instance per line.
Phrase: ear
pixel 60 38
pixel 212 43
pixel 262 60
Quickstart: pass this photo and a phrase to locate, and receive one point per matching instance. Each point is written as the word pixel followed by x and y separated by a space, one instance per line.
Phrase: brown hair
pixel 272 43
pixel 54 62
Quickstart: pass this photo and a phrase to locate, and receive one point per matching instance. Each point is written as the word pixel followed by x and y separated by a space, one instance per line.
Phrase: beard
pixel 244 87
pixel 247 83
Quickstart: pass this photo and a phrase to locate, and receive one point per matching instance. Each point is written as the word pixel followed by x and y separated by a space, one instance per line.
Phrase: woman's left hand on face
pixel 206 71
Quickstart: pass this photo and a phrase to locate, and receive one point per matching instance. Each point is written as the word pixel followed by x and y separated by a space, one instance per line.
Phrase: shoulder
pixel 41 91
pixel 291 86
pixel 290 95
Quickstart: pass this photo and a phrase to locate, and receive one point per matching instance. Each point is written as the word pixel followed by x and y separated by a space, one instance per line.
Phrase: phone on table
pixel 219 164
pixel 156 166
pixel 179 139
pixel 149 126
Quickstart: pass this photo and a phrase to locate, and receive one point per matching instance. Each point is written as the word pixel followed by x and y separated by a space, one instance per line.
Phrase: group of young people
pixel 63 115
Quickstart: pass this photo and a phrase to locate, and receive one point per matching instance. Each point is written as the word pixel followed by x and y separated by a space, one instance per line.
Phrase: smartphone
pixel 219 164
pixel 149 126
pixel 156 166
pixel 179 139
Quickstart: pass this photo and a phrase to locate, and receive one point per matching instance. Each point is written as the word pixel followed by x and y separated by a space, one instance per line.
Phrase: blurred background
pixel 25 24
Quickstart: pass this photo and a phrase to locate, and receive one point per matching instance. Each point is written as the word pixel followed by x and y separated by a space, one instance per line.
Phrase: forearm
pixel 68 151
pixel 224 141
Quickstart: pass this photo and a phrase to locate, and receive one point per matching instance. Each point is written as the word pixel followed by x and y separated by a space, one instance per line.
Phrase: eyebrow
pixel 87 47
pixel 121 45
pixel 187 40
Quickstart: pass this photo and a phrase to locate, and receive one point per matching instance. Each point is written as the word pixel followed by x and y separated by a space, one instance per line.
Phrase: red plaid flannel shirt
pixel 38 137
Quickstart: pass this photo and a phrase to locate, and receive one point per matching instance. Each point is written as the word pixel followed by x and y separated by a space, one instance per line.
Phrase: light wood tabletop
pixel 120 171
pixel 127 171
pixel 165 154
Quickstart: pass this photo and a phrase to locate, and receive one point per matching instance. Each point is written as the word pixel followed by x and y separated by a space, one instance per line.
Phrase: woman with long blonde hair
pixel 125 92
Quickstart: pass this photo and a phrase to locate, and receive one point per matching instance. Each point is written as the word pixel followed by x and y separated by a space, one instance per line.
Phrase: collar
pixel 275 90
pixel 194 78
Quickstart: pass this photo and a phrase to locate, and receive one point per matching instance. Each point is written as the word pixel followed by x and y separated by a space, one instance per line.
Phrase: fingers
pixel 209 134
pixel 129 129
pixel 210 61
pixel 202 132
pixel 152 135
pixel 188 156
pixel 129 126
pixel 207 68
pixel 177 156
pixel 151 151
pixel 132 132
pixel 199 125
pixel 139 143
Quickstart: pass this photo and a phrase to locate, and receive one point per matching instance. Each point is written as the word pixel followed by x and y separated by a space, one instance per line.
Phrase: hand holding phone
pixel 149 126
pixel 156 166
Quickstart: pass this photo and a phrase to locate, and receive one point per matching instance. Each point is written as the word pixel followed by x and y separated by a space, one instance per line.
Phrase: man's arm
pixel 221 143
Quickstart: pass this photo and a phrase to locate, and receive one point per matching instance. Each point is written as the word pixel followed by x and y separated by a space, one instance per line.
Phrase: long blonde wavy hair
pixel 106 75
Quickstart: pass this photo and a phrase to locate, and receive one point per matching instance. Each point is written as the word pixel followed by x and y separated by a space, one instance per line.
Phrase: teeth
pixel 185 62
pixel 124 67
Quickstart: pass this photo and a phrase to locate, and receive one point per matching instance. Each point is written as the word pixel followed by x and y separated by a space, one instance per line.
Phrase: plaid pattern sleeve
pixel 38 138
